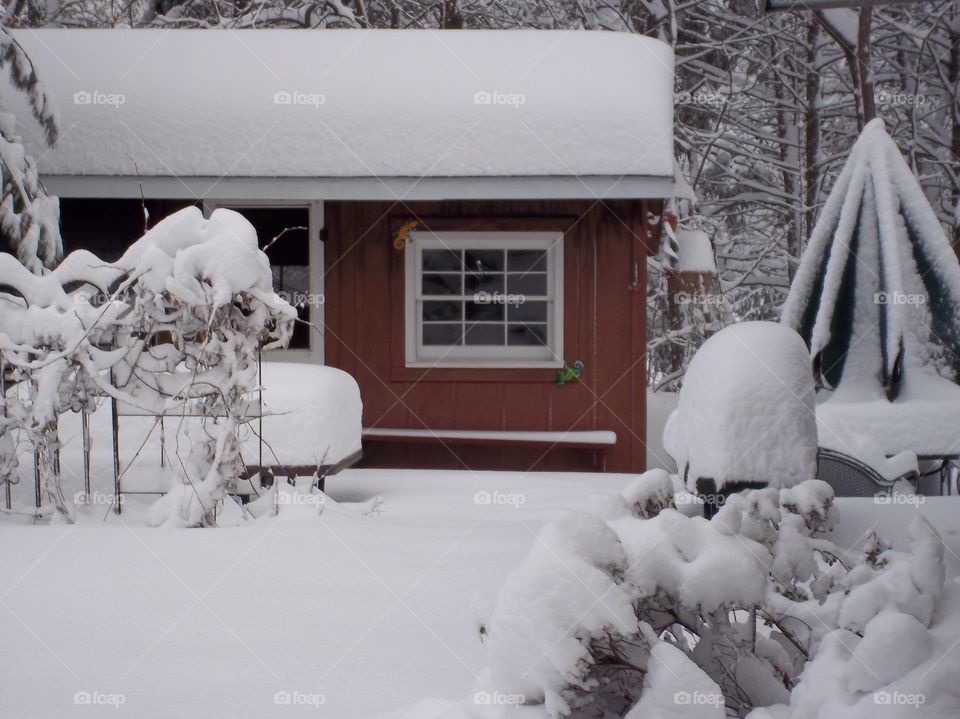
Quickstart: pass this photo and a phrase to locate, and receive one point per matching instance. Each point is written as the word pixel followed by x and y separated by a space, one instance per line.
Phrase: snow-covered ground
pixel 365 609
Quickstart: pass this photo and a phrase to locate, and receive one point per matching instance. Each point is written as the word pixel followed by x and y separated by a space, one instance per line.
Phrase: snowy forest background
pixel 767 108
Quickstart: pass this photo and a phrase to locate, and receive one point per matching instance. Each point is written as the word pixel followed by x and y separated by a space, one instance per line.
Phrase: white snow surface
pixel 344 103
pixel 746 409
pixel 378 614
pixel 924 419
pixel 676 688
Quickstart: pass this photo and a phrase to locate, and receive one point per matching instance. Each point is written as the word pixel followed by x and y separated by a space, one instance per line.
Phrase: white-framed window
pixel 484 299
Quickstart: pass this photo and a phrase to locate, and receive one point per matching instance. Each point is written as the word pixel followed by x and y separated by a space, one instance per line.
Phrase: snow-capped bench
pixel 596 442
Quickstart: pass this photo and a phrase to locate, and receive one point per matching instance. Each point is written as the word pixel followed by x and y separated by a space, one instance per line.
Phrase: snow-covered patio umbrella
pixel 878 287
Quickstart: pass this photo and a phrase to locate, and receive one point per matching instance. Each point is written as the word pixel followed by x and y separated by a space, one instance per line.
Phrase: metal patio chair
pixel 850 477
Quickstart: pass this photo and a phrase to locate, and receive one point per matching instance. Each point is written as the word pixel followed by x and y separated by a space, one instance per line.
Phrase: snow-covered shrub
pixel 670 616
pixel 747 385
pixel 172 327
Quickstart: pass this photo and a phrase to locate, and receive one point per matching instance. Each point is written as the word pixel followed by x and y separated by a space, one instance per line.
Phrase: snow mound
pixel 676 688
pixel 550 607
pixel 746 409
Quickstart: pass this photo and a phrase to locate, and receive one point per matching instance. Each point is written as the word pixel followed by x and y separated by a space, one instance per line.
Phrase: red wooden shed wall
pixel 604 327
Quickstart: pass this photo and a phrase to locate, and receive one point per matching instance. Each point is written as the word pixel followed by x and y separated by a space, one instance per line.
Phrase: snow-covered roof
pixel 358 105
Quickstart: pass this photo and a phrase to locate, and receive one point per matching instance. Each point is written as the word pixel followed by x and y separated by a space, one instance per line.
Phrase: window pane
pixel 484 335
pixel 442 311
pixel 441 285
pixel 484 260
pixel 446 335
pixel 441 261
pixel 484 283
pixel 527 284
pixel 491 312
pixel 527 335
pixel 525 260
pixel 528 312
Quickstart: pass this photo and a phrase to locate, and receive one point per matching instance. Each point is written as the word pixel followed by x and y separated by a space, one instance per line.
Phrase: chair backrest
pixel 850 477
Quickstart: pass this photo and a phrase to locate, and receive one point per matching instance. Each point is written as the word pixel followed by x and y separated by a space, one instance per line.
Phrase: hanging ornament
pixel 669 246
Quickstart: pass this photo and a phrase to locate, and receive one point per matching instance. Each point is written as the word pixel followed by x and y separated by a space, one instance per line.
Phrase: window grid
pixel 484 299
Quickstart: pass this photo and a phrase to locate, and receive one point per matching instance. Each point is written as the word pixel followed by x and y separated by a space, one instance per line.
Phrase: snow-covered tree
pixel 29 218
pixel 878 290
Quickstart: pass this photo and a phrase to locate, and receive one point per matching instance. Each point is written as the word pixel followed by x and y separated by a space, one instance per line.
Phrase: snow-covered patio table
pixel 924 420
pixel 310 418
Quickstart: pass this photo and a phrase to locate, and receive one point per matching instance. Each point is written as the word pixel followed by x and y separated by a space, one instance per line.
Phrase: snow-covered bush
pixel 173 327
pixel 748 384
pixel 616 614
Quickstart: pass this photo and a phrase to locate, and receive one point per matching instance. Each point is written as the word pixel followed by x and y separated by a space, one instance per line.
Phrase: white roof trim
pixel 362 188
pixel 354 104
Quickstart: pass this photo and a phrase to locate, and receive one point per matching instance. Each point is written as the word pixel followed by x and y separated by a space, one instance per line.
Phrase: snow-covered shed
pixel 466 212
